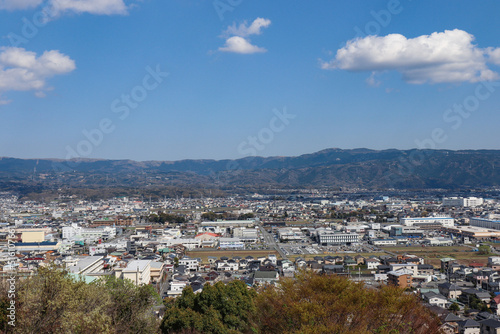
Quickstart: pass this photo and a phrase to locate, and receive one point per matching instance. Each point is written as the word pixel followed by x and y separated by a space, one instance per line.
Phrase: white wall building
pixel 188 243
pixel 331 238
pixel 290 234
pixel 231 243
pixel 75 232
pixel 463 202
pixel 138 271
pixel 443 221
pixel 85 265
pixel 384 242
pixel 191 264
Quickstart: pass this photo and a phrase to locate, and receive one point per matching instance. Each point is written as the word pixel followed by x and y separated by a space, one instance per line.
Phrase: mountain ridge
pixel 352 168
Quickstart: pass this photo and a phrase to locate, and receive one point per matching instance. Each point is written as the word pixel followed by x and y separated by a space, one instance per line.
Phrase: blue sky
pixel 186 79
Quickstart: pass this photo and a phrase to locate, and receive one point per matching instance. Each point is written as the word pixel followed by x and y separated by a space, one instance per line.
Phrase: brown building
pixel 112 221
pixel 401 278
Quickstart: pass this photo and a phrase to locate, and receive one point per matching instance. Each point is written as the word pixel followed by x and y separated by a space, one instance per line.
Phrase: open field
pixel 204 254
pixel 306 257
pixel 432 255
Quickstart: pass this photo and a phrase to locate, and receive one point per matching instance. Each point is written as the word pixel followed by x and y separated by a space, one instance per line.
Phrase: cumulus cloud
pixel 448 56
pixel 19 4
pixel 97 7
pixel 238 44
pixel 494 55
pixel 237 37
pixel 244 30
pixel 22 70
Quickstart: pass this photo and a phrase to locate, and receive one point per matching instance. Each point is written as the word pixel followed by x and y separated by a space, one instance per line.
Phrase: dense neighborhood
pixel 175 243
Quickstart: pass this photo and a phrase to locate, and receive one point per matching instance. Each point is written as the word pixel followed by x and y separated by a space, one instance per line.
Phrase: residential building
pixel 401 278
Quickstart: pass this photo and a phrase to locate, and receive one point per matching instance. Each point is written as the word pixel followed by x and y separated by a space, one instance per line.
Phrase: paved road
pixel 269 240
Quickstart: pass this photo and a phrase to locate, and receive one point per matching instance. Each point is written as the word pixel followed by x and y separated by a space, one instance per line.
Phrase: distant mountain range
pixel 356 168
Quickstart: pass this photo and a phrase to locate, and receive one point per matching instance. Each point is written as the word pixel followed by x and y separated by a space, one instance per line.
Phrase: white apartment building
pixel 191 264
pixel 188 243
pixel 75 232
pixel 231 243
pixel 138 271
pixel 246 234
pixel 412 267
pixel 443 221
pixel 331 238
pixel 463 202
pixel 384 242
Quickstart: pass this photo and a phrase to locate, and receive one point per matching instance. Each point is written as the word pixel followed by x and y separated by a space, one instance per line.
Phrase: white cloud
pixel 238 44
pixel 236 40
pixel 372 81
pixel 448 56
pixel 244 30
pixel 19 4
pixel 494 55
pixel 98 7
pixel 22 70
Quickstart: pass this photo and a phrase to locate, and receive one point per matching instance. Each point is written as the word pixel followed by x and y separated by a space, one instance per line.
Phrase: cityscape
pixel 233 166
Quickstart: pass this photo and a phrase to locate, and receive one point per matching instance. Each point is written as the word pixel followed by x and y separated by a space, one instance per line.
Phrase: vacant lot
pixel 463 254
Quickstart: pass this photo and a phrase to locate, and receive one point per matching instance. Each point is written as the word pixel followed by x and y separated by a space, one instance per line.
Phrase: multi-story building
pixel 486 223
pixel 88 234
pixel 423 221
pixel 231 243
pixel 191 264
pixel 138 271
pixel 331 238
pixel 401 278
pixel 463 202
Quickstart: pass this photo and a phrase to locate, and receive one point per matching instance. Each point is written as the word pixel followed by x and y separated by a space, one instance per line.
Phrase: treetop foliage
pixel 309 304
pixel 54 302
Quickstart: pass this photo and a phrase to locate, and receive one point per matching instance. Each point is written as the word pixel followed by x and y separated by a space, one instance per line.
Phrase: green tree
pixel 220 308
pixel 454 307
pixel 131 305
pixel 484 249
pixel 211 216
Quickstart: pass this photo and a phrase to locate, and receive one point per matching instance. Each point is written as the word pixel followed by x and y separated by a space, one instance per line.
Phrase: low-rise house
pixel 359 259
pixel 265 277
pixel 435 299
pixel 330 269
pixel 490 326
pixel 469 326
pixel 495 303
pixel 229 265
pixel 425 269
pixel 450 290
pixel 175 288
pixel 484 297
pixel 372 264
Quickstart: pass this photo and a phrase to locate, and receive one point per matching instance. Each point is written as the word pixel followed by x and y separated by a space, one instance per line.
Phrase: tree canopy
pixel 309 304
pixel 54 302
pixel 220 308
